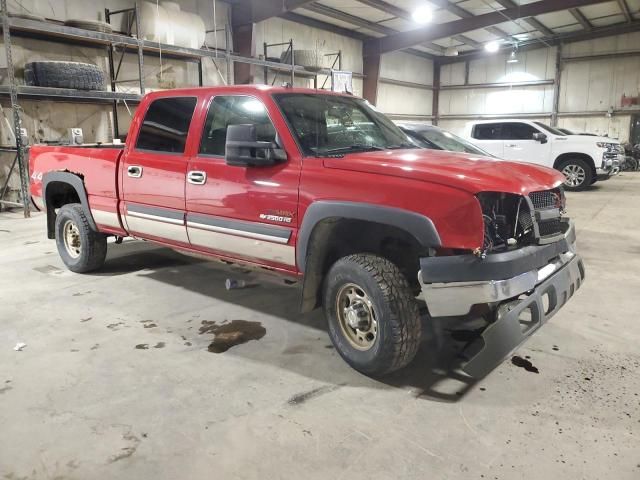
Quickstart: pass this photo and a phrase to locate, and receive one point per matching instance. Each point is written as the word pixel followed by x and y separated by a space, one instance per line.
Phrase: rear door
pixel 520 145
pixel 247 213
pixel 488 137
pixel 154 170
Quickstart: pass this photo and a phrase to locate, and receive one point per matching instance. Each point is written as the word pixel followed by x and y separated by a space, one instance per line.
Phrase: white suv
pixel 582 159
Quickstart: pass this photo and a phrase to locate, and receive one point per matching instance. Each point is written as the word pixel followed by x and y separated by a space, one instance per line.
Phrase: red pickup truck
pixel 324 189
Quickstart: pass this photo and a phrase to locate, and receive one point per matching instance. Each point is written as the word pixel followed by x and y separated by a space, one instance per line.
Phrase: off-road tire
pixel 93 245
pixel 398 317
pixel 581 164
pixel 76 75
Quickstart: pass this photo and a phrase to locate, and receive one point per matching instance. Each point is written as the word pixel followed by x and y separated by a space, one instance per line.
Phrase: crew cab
pixel 323 189
pixel 582 159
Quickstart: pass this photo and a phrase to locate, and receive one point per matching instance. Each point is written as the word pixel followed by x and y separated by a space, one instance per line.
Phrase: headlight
pixel 607 145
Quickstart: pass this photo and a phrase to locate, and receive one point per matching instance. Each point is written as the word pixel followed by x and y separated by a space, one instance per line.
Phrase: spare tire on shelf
pixel 90 25
pixel 310 59
pixel 76 75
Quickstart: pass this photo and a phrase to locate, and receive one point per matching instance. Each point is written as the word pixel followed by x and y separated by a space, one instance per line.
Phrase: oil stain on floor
pixel 232 333
pixel 523 363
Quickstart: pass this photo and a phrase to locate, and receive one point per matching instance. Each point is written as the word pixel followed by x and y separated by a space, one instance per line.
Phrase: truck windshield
pixel 437 139
pixel 326 125
pixel 549 129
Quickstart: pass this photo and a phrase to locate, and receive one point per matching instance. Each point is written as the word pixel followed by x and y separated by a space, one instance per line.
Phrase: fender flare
pixel 419 226
pixel 77 183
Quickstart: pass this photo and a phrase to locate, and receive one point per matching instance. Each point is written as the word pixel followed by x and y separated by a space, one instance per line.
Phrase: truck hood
pixel 471 173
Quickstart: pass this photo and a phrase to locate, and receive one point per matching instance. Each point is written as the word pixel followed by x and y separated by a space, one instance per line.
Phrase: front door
pixel 247 213
pixel 154 170
pixel 519 144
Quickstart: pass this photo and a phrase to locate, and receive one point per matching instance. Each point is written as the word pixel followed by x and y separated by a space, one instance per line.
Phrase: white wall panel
pixel 493 101
pixel 452 74
pixel 397 100
pixel 407 67
pixel 617 126
pixel 597 85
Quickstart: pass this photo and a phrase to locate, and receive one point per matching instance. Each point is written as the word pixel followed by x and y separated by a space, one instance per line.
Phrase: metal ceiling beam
pixel 462 13
pixel 401 13
pixel 407 39
pixel 361 22
pixel 624 7
pixel 254 11
pixel 536 24
pixel 330 27
pixel 582 20
pixel 571 37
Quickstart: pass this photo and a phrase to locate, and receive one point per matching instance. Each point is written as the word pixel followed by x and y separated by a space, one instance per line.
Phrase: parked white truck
pixel 582 159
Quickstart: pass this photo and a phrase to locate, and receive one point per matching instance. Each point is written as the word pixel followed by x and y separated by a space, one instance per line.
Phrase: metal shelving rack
pixel 113 43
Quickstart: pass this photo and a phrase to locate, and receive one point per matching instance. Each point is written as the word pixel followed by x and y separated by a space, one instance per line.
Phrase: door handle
pixel 134 171
pixel 511 145
pixel 196 177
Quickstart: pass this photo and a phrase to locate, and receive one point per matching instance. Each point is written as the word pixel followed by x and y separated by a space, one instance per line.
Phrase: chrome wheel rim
pixel 574 174
pixel 71 235
pixel 357 317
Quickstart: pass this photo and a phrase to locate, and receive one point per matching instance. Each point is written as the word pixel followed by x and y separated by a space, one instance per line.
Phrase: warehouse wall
pixel 404 101
pixel 278 30
pixel 598 85
pixel 534 65
pixel 588 88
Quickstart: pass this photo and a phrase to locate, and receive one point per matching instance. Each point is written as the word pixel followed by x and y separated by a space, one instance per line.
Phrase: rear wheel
pixel 372 315
pixel 81 249
pixel 578 174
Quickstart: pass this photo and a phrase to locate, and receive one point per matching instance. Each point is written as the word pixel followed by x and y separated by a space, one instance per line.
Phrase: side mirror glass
pixel 243 149
pixel 540 137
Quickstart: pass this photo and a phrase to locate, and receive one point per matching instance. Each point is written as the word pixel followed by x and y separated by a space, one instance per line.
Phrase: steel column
pixel 17 122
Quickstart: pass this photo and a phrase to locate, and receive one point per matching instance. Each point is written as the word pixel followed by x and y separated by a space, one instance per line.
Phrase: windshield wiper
pixel 351 148
pixel 402 145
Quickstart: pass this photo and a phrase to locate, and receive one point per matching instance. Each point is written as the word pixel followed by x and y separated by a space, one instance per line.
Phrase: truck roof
pixel 242 88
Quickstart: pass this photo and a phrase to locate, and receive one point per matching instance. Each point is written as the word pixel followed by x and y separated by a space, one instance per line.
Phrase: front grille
pixel 545 199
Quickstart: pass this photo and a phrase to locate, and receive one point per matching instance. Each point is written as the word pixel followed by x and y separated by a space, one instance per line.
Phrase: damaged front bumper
pixel 524 288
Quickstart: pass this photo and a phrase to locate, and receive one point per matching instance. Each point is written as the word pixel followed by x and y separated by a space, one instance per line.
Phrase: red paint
pixel 440 185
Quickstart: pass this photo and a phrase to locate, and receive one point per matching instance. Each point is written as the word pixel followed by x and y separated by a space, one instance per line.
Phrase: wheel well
pixel 334 238
pixel 581 156
pixel 57 195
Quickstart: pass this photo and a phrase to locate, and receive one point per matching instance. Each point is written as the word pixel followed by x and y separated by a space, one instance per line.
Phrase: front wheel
pixel 81 249
pixel 578 174
pixel 372 315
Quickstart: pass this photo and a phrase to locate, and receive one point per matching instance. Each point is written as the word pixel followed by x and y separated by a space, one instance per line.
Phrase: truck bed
pixel 96 164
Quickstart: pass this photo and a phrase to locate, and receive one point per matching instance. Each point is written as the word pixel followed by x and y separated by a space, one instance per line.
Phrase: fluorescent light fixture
pixel 513 58
pixel 422 14
pixel 492 47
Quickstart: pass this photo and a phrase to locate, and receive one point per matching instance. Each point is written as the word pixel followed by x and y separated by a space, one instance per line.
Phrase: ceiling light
pixel 513 58
pixel 423 14
pixel 492 47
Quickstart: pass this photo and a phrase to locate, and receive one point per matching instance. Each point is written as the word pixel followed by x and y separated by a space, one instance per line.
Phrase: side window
pixel 487 131
pixel 166 125
pixel 518 131
pixel 234 110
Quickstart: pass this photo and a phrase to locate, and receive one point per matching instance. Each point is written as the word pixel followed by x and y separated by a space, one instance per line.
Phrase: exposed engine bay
pixel 512 221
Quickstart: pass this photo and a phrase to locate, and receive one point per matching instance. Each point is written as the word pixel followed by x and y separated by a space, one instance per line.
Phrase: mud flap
pixel 516 320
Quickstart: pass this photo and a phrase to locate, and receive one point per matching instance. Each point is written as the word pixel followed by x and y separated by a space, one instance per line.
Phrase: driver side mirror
pixel 242 148
pixel 540 137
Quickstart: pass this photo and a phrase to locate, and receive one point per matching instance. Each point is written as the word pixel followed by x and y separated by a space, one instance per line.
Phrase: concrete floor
pixel 116 380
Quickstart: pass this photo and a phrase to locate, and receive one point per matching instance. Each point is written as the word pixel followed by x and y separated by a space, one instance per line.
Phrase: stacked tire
pixel 76 75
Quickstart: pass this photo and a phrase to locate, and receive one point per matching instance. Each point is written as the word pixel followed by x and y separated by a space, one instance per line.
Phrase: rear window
pixel 166 125
pixel 486 131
